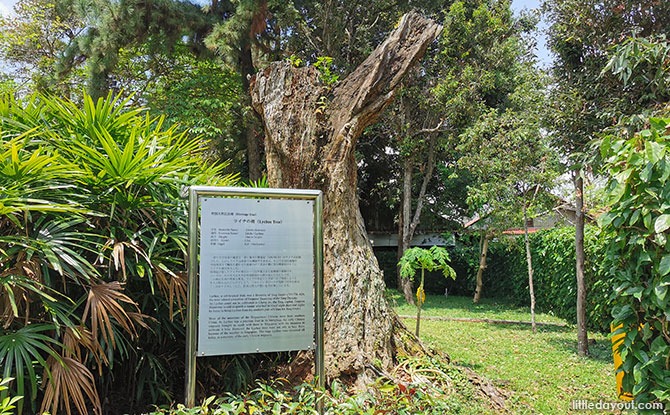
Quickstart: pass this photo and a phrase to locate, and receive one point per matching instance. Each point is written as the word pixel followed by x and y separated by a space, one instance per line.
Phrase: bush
pixel 639 255
pixel 553 252
pixel 93 231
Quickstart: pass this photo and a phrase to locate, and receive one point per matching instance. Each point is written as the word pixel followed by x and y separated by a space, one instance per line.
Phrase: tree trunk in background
pixel 254 149
pixel 252 121
pixel 529 262
pixel 409 226
pixel 582 335
pixel 484 248
pixel 311 145
pixel 404 234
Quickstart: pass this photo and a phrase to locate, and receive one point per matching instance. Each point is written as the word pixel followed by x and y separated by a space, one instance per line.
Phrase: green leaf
pixel 654 151
pixel 661 291
pixel 662 223
pixel 664 265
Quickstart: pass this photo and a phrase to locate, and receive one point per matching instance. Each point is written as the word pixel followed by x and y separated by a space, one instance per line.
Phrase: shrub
pixel 553 252
pixel 92 246
pixel 638 257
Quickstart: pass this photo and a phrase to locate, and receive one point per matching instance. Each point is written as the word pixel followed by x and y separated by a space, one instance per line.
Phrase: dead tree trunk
pixel 311 132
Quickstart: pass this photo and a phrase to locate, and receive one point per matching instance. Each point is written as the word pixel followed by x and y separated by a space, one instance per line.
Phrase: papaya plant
pixel 433 259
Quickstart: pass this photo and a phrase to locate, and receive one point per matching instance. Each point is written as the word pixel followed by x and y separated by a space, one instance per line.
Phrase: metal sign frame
pixel 195 192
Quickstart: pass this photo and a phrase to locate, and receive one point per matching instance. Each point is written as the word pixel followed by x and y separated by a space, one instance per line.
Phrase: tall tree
pixel 469 71
pixel 513 162
pixel 584 99
pixel 33 40
pixel 310 143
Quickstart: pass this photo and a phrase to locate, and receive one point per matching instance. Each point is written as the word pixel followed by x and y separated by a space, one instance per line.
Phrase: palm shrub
pixel 92 249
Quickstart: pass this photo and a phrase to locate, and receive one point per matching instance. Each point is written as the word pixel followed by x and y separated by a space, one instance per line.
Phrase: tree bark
pixel 404 233
pixel 408 227
pixel 311 145
pixel 529 262
pixel 252 120
pixel 582 334
pixel 484 247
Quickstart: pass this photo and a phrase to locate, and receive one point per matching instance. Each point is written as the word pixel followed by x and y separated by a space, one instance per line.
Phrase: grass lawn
pixel 542 370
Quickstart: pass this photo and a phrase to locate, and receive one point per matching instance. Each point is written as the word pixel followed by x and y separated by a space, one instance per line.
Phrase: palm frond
pixel 62 246
pixel 71 384
pixel 16 283
pixel 104 304
pixel 22 285
pixel 173 286
pixel 76 338
pixel 20 350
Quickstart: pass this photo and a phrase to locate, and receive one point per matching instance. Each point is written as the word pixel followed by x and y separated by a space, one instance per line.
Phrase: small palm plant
pixel 92 241
pixel 434 259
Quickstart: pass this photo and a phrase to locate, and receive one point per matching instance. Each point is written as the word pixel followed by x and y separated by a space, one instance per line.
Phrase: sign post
pixel 256 281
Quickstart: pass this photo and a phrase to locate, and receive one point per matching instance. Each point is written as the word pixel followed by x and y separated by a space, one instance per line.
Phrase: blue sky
pixel 543 54
pixel 6 6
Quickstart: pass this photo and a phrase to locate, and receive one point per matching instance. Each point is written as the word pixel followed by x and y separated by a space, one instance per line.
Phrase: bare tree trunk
pixel 582 334
pixel 254 149
pixel 251 119
pixel 529 261
pixel 405 234
pixel 312 146
pixel 409 227
pixel 484 248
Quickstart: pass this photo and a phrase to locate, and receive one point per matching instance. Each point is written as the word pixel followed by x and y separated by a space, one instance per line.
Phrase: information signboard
pixel 255 271
pixel 256 276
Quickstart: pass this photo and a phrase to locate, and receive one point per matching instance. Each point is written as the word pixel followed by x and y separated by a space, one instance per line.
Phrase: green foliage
pixel 585 35
pixel 510 157
pixel 200 95
pixel 295 61
pixel 553 252
pixel 642 64
pixel 93 232
pixel 33 38
pixel 7 402
pixel 639 255
pixel 416 385
pixel 435 258
pixel 324 64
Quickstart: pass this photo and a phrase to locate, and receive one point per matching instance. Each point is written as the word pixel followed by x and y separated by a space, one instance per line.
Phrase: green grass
pixel 463 307
pixel 542 371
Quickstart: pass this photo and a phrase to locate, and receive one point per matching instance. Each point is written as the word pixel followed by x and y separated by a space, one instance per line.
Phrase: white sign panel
pixel 256 276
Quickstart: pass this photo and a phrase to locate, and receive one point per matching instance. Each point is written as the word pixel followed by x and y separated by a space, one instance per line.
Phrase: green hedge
pixel 639 255
pixel 553 252
pixel 506 275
